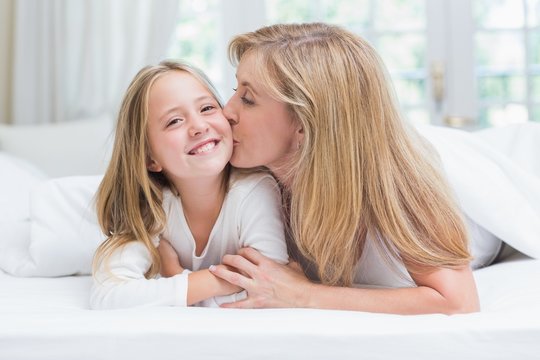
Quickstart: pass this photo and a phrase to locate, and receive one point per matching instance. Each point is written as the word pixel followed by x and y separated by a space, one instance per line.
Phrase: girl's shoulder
pixel 169 198
pixel 244 182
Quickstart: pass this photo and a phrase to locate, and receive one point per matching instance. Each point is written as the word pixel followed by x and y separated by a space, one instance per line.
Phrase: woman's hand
pixel 170 263
pixel 268 284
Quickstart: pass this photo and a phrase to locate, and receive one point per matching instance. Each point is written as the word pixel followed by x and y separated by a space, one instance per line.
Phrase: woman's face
pixel 264 131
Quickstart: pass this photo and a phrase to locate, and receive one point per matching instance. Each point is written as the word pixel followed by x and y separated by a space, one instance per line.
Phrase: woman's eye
pixel 234 89
pixel 247 101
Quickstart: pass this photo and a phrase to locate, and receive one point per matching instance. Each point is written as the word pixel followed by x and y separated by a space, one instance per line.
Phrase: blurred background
pixel 463 63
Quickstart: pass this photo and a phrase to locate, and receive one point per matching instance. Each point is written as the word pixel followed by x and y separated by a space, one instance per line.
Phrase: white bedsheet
pixel 48 318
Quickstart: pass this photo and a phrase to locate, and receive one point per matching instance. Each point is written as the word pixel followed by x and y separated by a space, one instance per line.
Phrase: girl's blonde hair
pixel 129 198
pixel 360 168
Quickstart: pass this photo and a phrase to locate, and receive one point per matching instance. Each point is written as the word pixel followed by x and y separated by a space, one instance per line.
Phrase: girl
pixel 169 181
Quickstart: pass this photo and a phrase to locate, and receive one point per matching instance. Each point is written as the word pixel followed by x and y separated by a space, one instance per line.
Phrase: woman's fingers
pixel 242 304
pixel 221 271
pixel 243 264
pixel 267 283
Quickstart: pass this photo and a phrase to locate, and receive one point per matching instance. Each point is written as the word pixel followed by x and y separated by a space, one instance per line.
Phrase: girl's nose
pixel 198 127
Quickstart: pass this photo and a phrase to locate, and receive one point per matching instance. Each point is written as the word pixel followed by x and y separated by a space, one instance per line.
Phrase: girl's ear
pixel 153 165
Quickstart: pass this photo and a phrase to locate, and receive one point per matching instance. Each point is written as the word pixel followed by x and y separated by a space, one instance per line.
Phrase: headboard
pixel 79 147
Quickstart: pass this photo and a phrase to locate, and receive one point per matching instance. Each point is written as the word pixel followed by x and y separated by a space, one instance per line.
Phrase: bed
pixel 48 318
pixel 44 283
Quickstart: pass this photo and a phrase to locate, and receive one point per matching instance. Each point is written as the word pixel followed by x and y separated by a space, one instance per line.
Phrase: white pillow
pixel 64 232
pixel 14 241
pixel 17 179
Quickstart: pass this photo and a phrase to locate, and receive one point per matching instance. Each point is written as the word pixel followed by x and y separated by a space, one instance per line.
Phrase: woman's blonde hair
pixel 360 168
pixel 129 197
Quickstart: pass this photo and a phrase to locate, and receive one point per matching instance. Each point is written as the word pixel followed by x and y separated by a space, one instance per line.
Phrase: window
pixel 470 63
pixel 508 74
pixel 397 28
pixel 196 37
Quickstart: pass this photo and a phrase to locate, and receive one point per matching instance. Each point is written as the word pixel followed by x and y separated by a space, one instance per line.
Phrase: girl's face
pixel 264 131
pixel 188 135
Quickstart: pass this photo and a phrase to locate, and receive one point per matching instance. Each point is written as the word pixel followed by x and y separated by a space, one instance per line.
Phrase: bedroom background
pixel 65 64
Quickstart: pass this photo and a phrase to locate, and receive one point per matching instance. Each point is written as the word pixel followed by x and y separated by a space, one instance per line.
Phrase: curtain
pixel 73 59
pixel 6 15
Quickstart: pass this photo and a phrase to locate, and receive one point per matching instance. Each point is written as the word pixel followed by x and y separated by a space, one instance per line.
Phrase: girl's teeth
pixel 205 148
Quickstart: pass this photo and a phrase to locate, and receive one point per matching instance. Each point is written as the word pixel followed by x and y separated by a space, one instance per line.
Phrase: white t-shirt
pixel 375 269
pixel 250 217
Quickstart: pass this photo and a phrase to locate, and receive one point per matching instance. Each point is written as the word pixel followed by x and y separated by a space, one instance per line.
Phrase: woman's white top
pixel 250 217
pixel 380 270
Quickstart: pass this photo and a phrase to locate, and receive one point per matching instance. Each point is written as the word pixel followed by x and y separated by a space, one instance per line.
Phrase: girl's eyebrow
pixel 204 97
pixel 163 116
pixel 176 108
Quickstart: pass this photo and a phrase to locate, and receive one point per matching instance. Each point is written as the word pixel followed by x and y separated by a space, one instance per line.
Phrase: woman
pixel 366 201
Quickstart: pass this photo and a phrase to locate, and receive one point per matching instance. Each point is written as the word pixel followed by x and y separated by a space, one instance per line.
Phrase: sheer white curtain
pixel 74 58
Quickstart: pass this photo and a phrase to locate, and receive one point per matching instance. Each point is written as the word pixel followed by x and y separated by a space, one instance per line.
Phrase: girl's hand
pixel 170 263
pixel 268 284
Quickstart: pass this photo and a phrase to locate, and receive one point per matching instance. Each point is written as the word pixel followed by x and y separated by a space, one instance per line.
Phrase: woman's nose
pixel 230 113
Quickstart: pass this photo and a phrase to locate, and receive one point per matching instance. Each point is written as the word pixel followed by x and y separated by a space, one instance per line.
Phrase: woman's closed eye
pixel 245 99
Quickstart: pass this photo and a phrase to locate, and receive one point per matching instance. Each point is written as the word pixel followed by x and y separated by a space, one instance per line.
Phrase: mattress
pixel 49 318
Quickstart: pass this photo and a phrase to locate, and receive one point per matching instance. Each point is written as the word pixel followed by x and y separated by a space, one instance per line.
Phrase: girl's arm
pixel 170 263
pixel 270 284
pixel 201 284
pixel 260 219
pixel 121 283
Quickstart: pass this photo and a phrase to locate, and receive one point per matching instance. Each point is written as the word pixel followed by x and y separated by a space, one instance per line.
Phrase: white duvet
pixel 497 186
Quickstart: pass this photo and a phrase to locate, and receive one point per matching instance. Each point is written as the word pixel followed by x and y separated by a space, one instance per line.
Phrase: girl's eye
pixel 234 89
pixel 207 108
pixel 174 121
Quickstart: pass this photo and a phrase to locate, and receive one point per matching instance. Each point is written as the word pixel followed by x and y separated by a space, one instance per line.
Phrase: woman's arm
pixel 270 284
